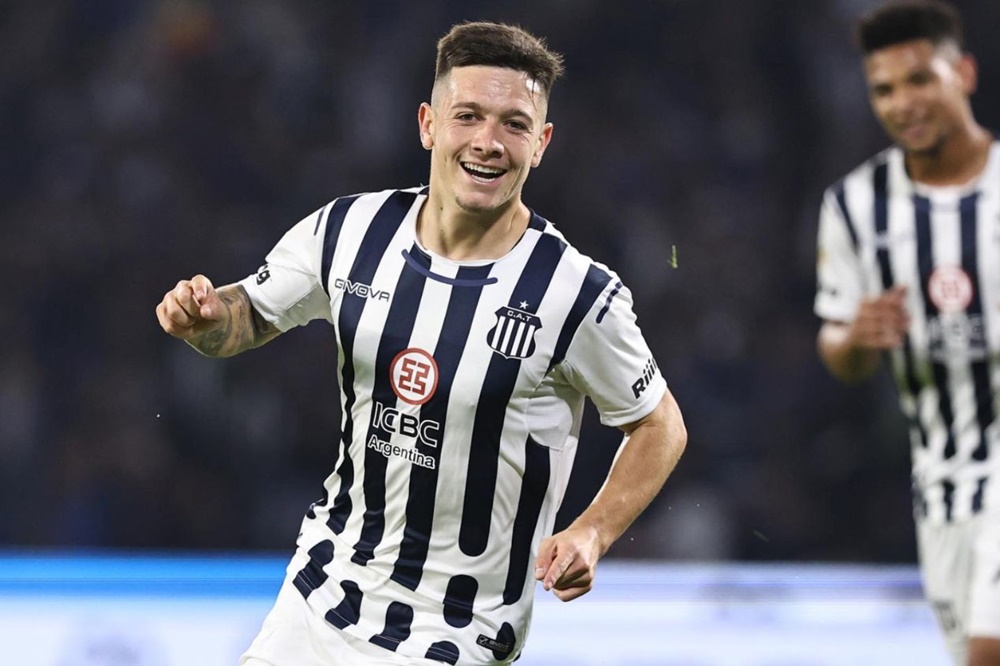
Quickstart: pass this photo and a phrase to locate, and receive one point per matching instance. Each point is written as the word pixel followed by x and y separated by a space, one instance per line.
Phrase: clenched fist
pixel 191 309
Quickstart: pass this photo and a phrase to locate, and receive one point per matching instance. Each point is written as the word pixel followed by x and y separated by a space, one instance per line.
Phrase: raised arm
pixel 217 322
pixel 567 560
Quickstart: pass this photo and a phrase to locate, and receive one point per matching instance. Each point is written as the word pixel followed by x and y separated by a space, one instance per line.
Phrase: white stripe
pixel 515 345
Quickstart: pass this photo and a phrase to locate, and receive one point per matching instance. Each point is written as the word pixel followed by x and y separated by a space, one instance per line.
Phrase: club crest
pixel 513 336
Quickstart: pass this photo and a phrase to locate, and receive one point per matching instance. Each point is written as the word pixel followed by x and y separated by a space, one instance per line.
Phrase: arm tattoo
pixel 244 329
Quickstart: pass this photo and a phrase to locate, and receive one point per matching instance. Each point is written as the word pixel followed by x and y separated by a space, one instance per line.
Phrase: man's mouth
pixel 482 173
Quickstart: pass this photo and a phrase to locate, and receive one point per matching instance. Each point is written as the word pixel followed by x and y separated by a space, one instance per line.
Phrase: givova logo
pixel 359 289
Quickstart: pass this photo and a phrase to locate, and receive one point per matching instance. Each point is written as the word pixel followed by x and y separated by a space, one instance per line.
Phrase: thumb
pixel 207 298
pixel 546 553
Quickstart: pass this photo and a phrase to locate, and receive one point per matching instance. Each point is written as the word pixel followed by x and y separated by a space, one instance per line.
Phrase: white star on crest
pixel 524 304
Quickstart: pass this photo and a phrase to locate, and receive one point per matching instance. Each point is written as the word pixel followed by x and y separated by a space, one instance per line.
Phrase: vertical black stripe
pixel 977 498
pixel 925 264
pixel 881 177
pixel 380 232
pixel 423 481
pixel 312 574
pixel 334 223
pixel 842 204
pixel 445 651
pixel 395 338
pixel 537 469
pixel 980 366
pixel 458 605
pixel 498 386
pixel 592 287
pixel 949 499
pixel 398 619
pixel 881 185
pixel 347 611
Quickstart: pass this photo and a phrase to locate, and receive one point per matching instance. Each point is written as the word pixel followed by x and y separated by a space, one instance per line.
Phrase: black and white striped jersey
pixel 879 229
pixel 462 388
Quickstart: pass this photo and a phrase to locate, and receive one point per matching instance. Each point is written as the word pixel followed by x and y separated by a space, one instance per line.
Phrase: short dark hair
pixel 905 21
pixel 498 45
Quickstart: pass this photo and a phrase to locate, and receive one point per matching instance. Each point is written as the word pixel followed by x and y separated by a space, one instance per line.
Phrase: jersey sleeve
pixel 609 361
pixel 839 276
pixel 287 290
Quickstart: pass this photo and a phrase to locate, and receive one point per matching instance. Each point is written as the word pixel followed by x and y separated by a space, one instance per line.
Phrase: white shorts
pixel 960 565
pixel 292 635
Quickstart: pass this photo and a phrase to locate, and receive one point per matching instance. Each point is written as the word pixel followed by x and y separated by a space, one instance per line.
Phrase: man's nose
pixel 487 141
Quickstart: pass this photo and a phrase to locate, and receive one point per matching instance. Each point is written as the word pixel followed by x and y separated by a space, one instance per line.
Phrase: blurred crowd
pixel 145 141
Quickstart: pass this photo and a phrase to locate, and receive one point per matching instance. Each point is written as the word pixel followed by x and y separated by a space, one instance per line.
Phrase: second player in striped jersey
pixel 909 264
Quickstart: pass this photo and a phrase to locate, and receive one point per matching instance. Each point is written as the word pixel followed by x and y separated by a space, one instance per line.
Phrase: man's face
pixel 920 92
pixel 485 128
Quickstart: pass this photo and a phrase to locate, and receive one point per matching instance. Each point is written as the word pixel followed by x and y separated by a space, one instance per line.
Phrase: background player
pixel 468 334
pixel 909 263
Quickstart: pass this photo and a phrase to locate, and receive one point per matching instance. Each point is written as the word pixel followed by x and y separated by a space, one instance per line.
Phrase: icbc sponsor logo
pixel 950 289
pixel 414 376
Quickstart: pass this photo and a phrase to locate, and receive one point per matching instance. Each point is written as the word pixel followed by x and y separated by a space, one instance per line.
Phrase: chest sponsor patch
pixel 950 289
pixel 414 376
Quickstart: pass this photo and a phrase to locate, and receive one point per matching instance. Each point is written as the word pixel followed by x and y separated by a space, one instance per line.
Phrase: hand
pixel 191 309
pixel 567 562
pixel 882 322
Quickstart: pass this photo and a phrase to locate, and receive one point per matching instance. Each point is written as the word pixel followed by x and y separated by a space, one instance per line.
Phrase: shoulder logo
pixel 513 336
pixel 414 376
pixel 263 274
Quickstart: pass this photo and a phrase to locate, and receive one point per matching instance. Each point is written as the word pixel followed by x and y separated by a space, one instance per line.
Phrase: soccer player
pixel 469 333
pixel 909 266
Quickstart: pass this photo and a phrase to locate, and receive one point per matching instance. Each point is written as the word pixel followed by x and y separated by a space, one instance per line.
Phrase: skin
pixel 493 118
pixel 567 561
pixel 218 323
pixel 919 92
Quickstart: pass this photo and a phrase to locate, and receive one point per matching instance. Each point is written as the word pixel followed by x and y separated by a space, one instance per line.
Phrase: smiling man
pixel 469 333
pixel 909 267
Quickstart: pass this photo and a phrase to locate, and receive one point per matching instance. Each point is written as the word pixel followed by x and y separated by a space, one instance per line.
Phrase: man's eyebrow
pixel 509 113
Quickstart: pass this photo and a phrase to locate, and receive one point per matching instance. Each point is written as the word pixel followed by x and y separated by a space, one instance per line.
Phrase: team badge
pixel 950 289
pixel 414 376
pixel 513 336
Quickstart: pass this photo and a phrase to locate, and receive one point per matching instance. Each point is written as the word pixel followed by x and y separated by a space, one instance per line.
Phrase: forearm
pixel 644 462
pixel 241 328
pixel 845 360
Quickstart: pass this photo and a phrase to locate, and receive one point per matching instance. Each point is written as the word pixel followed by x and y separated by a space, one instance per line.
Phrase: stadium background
pixel 144 141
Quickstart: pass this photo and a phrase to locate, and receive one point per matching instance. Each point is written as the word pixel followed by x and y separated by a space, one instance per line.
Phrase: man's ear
pixel 968 69
pixel 543 143
pixel 425 116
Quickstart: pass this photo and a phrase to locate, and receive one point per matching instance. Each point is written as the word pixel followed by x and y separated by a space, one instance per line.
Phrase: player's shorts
pixel 292 635
pixel 960 565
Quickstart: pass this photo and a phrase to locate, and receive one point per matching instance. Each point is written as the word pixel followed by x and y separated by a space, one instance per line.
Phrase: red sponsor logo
pixel 414 376
pixel 950 289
